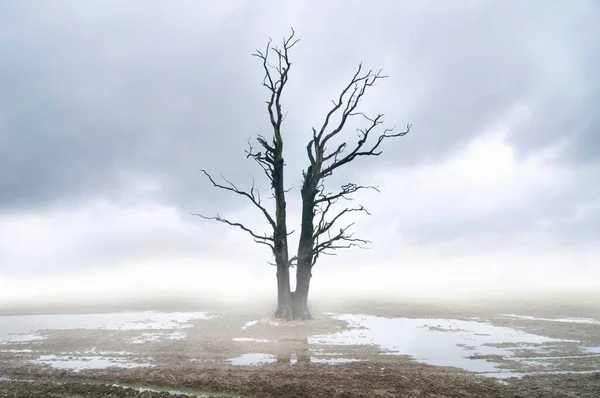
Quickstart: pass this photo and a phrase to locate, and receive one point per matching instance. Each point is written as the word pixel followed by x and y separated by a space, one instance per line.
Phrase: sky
pixel 109 110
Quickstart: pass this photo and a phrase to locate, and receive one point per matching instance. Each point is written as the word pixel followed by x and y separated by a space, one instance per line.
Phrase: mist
pixel 103 133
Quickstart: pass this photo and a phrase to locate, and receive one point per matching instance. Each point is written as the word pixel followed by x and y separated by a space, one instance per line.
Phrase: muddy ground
pixel 198 365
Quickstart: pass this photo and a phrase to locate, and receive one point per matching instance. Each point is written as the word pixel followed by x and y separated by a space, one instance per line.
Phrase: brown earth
pixel 198 364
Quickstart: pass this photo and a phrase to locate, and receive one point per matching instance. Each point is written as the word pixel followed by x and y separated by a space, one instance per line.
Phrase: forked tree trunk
pixel 284 296
pixel 305 246
pixel 300 296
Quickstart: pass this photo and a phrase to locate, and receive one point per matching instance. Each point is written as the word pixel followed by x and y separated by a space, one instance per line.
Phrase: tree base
pixel 296 310
pixel 300 307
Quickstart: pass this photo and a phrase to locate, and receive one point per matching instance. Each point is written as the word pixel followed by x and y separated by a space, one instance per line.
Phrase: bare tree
pixel 324 235
pixel 269 156
pixel 318 235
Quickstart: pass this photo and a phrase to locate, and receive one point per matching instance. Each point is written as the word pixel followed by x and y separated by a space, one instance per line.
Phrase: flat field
pixel 536 348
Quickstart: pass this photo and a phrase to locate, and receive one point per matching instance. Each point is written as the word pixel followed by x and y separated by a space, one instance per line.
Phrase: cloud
pixel 109 111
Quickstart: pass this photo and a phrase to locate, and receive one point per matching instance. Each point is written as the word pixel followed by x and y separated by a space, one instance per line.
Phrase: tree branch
pixel 363 137
pixel 342 240
pixel 276 77
pixel 346 189
pixel 253 195
pixel 346 105
pixel 325 226
pixel 257 238
pixel 265 160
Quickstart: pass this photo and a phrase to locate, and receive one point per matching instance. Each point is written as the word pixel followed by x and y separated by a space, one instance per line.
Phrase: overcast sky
pixel 109 109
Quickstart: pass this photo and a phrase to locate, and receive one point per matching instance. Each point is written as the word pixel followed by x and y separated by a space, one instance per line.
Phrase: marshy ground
pixel 351 349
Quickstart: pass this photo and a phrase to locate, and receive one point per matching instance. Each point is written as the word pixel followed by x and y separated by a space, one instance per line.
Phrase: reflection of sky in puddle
pixel 19 327
pixel 256 359
pixel 156 337
pixel 249 324
pixel 593 350
pixel 333 361
pixel 188 393
pixel 253 359
pixel 21 338
pixel 17 351
pixel 506 375
pixel 440 342
pixel 251 340
pixel 182 391
pixel 563 320
pixel 78 363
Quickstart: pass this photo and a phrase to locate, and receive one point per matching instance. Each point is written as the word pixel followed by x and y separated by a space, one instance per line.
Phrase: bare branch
pixel 265 160
pixel 342 240
pixel 346 189
pixel 349 98
pixel 251 196
pixel 276 76
pixel 325 226
pixel 340 101
pixel 363 136
pixel 257 238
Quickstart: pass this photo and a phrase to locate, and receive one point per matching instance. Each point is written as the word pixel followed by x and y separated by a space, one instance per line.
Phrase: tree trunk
pixel 300 296
pixel 284 296
pixel 280 235
pixel 305 245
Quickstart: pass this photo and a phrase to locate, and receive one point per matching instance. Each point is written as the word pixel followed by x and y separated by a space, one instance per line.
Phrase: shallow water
pixel 191 393
pixel 157 337
pixel 254 359
pixel 468 345
pixel 563 320
pixel 333 361
pixel 30 328
pixel 508 375
pixel 26 327
pixel 249 324
pixel 78 363
pixel 257 359
pixel 472 345
pixel 141 388
pixel 248 339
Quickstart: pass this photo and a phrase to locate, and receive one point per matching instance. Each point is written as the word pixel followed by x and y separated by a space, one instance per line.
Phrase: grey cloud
pixel 97 89
pixel 568 216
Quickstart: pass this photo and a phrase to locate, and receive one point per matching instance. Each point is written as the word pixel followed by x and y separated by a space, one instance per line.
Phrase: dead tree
pixel 324 235
pixel 269 156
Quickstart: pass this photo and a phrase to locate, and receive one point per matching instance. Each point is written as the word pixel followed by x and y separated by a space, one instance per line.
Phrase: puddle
pixel 564 320
pixel 248 339
pixel 94 351
pixel 509 375
pixel 440 342
pixel 249 324
pixel 78 363
pixel 155 337
pixel 593 350
pixel 253 359
pixel 17 328
pixel 189 393
pixel 17 351
pixel 142 389
pixel 333 361
pixel 21 338
pixel 256 359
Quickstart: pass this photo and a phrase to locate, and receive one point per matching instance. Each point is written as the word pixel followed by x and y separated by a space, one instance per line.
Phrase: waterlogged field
pixel 396 350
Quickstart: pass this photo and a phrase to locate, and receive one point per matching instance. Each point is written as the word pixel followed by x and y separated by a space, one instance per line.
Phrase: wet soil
pixel 199 364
